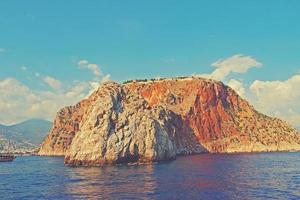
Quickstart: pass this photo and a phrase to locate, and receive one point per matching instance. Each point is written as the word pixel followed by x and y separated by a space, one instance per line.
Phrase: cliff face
pixel 157 120
pixel 65 126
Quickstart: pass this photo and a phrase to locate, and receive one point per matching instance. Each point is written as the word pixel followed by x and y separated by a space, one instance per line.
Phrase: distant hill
pixel 25 135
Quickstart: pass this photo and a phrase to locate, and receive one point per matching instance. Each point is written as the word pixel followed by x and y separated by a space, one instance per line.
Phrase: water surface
pixel 206 176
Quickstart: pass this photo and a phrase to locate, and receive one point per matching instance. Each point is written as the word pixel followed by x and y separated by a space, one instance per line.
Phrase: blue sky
pixel 145 39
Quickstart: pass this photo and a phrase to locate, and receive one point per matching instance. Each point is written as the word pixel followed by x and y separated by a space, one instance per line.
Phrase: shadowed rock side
pixel 157 120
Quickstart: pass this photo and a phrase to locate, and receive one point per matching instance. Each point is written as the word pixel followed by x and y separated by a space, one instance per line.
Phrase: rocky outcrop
pixel 156 120
pixel 65 125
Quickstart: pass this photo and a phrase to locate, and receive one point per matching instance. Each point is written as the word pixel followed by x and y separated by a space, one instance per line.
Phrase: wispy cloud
pixel 19 102
pixel 2 50
pixel 52 82
pixel 85 64
pixel 234 64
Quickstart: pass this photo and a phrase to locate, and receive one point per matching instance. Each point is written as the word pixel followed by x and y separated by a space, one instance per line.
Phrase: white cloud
pixel 292 116
pixel 278 98
pixel 2 50
pixel 234 64
pixel 52 82
pixel 275 98
pixel 23 68
pixel 84 64
pixel 18 102
pixel 237 86
pixel 78 88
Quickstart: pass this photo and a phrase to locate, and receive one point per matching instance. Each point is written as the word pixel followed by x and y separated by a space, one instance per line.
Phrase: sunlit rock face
pixel 152 121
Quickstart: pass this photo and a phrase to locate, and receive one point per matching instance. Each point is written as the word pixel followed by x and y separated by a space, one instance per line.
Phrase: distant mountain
pixel 34 130
pixel 26 135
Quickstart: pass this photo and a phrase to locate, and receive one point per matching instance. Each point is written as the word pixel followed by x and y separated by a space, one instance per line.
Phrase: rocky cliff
pixel 148 121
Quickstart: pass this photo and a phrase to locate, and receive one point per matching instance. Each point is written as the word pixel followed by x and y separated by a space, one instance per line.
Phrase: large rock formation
pixel 148 121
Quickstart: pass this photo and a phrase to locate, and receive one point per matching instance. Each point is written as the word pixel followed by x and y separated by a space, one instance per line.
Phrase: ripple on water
pixel 206 176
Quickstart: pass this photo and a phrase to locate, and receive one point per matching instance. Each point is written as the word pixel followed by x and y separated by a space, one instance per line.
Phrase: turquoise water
pixel 207 176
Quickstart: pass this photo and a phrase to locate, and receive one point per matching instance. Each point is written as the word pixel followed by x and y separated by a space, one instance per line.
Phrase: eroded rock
pixel 156 120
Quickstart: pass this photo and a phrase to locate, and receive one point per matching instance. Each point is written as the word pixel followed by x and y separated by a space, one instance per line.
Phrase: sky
pixel 54 53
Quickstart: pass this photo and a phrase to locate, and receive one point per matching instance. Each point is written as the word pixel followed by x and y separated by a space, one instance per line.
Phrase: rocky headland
pixel 156 120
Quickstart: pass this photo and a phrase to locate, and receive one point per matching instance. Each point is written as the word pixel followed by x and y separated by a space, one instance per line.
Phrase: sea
pixel 204 176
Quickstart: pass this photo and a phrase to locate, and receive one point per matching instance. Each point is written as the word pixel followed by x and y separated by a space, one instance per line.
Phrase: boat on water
pixel 5 157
